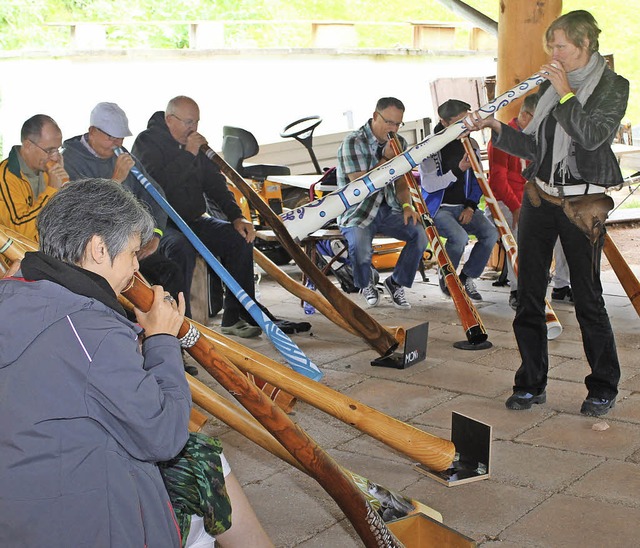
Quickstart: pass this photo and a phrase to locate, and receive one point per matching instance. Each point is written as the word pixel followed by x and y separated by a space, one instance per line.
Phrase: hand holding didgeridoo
pixel 366 521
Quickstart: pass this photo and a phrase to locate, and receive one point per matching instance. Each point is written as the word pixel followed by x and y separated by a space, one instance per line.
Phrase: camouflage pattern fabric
pixel 195 483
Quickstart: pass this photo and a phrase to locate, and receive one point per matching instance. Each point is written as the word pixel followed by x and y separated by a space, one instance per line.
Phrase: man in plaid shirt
pixel 388 211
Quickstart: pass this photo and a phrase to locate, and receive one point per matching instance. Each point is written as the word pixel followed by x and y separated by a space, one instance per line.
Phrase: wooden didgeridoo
pixel 369 329
pixel 241 421
pixel 471 322
pixel 554 327
pixel 316 299
pixel 433 452
pixel 624 273
pixel 283 400
pixel 366 521
pixel 11 248
pixel 15 250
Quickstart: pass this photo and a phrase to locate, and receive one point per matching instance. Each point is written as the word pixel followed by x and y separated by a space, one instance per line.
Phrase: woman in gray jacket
pixel 89 401
pixel 568 143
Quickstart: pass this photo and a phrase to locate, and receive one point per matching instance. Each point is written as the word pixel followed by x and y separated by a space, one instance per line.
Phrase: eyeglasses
pixel 48 151
pixel 110 137
pixel 390 122
pixel 188 123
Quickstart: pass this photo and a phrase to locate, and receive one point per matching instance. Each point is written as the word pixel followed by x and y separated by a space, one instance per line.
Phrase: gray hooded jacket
pixel 84 417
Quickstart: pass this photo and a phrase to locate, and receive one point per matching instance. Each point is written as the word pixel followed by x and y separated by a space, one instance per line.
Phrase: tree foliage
pixel 31 24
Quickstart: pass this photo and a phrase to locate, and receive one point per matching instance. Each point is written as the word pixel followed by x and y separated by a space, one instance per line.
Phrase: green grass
pixel 631 203
pixel 23 24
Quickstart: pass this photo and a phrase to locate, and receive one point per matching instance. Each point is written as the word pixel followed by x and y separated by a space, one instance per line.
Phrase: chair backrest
pixel 237 145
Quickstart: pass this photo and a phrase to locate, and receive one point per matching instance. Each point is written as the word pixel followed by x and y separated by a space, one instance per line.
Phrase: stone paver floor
pixel 555 481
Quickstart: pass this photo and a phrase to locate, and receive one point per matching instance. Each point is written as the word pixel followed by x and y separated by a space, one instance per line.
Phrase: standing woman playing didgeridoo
pixel 568 144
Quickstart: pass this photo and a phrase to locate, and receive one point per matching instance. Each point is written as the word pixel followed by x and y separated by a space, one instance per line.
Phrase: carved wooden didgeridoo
pixel 471 322
pixel 433 452
pixel 366 521
pixel 624 273
pixel 370 330
pixel 242 422
pixel 305 219
pixel 313 297
pixel 554 327
pixel 13 245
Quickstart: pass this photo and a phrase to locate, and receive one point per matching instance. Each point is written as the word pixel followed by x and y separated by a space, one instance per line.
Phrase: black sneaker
pixel 442 283
pixel 562 294
pixel 513 299
pixel 396 292
pixel 191 369
pixel 371 295
pixel 596 407
pixel 472 290
pixel 524 400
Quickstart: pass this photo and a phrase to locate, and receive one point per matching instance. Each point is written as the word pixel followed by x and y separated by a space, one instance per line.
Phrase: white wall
pixel 261 92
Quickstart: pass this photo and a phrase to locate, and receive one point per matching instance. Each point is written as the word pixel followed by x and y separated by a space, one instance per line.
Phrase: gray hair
pixel 87 208
pixel 530 103
pixel 174 103
pixel 32 128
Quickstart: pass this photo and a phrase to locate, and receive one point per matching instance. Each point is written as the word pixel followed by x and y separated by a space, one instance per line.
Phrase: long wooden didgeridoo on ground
pixel 433 452
pixel 624 273
pixel 554 327
pixel 370 330
pixel 14 249
pixel 471 322
pixel 313 297
pixel 388 503
pixel 365 520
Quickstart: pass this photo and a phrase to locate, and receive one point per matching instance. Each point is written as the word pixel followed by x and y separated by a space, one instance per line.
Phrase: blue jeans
pixel 457 235
pixel 391 224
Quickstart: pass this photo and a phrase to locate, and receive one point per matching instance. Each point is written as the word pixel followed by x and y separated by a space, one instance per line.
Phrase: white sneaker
pixel 472 290
pixel 396 292
pixel 371 295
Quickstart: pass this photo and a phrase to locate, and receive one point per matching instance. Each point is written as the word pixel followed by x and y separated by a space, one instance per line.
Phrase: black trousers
pixel 231 249
pixel 537 232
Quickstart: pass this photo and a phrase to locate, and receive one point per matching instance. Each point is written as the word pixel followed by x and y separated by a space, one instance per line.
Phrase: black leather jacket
pixel 591 128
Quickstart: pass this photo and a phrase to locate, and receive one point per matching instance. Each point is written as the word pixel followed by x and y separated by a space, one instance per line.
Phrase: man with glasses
pixel 170 150
pixel 31 174
pixel 92 155
pixel 452 194
pixel 388 211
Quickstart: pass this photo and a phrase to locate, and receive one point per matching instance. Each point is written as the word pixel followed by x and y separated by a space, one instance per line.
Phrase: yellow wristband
pixel 158 232
pixel 408 205
pixel 567 97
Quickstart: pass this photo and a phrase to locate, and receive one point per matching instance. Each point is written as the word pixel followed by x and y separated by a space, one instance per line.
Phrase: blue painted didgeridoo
pixel 289 350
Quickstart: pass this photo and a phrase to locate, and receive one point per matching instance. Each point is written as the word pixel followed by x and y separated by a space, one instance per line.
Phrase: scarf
pixel 583 80
pixel 37 266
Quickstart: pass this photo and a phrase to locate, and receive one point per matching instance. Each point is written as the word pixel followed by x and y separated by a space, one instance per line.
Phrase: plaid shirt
pixel 359 152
